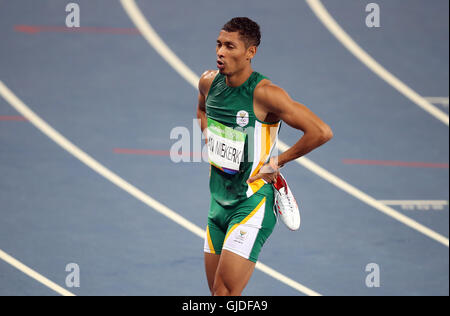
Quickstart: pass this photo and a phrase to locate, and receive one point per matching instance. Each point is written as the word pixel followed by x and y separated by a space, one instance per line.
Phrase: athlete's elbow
pixel 325 134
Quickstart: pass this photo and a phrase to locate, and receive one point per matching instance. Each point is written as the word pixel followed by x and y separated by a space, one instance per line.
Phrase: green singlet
pixel 241 216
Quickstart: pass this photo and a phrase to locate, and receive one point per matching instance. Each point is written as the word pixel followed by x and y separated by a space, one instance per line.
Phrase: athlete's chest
pixel 232 108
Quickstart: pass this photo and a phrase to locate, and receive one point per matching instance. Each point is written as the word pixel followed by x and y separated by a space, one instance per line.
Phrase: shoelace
pixel 289 203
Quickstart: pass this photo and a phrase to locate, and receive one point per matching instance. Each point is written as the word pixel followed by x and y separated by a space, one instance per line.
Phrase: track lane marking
pixel 16 118
pixel 34 29
pixel 325 17
pixel 418 205
pixel 33 274
pixel 394 163
pixel 415 202
pixel 157 43
pixel 363 197
pixel 59 139
pixel 63 142
pixel 438 100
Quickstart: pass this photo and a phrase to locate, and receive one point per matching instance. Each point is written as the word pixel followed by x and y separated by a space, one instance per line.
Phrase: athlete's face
pixel 232 55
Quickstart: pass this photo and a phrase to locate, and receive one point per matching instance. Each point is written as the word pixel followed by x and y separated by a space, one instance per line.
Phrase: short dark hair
pixel 248 30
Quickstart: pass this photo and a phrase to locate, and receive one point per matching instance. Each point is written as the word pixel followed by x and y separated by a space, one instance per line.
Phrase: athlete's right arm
pixel 203 87
pixel 201 108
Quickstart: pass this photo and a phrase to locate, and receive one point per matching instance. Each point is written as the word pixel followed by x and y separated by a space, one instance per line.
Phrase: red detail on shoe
pixel 280 183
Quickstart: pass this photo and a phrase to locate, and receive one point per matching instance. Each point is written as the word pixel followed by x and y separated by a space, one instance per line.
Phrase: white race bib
pixel 225 147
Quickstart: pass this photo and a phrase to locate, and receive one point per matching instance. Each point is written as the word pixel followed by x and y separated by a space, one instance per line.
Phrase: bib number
pixel 225 147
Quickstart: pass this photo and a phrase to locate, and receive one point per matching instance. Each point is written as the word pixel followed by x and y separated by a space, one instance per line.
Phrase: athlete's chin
pixel 222 71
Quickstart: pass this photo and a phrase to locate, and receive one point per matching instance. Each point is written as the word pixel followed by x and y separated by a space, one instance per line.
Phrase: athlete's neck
pixel 237 79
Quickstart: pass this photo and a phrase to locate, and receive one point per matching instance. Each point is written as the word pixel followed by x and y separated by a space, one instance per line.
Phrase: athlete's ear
pixel 251 51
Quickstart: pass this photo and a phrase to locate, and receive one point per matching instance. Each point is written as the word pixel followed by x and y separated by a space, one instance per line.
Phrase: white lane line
pixel 368 199
pixel 92 163
pixel 438 100
pixel 419 205
pixel 54 135
pixel 33 274
pixel 144 27
pixel 414 202
pixel 159 45
pixel 325 17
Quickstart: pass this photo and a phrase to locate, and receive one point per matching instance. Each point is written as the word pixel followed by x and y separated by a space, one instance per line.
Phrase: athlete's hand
pixel 268 172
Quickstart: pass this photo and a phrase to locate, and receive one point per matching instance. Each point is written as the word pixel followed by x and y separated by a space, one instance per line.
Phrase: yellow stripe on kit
pixel 245 220
pixel 256 185
pixel 267 139
pixel 210 244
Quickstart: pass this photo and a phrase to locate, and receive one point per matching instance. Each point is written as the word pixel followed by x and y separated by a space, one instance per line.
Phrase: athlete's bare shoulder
pixel 206 80
pixel 266 91
pixel 261 86
pixel 270 101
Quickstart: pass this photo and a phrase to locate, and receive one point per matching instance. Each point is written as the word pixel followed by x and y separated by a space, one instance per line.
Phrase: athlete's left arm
pixel 275 100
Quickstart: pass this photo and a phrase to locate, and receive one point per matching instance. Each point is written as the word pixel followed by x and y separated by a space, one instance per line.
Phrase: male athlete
pixel 240 111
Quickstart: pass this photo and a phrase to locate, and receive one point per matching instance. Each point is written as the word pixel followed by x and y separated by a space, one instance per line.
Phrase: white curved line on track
pixel 325 17
pixel 33 274
pixel 155 41
pixel 360 195
pixel 59 139
pixel 54 135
